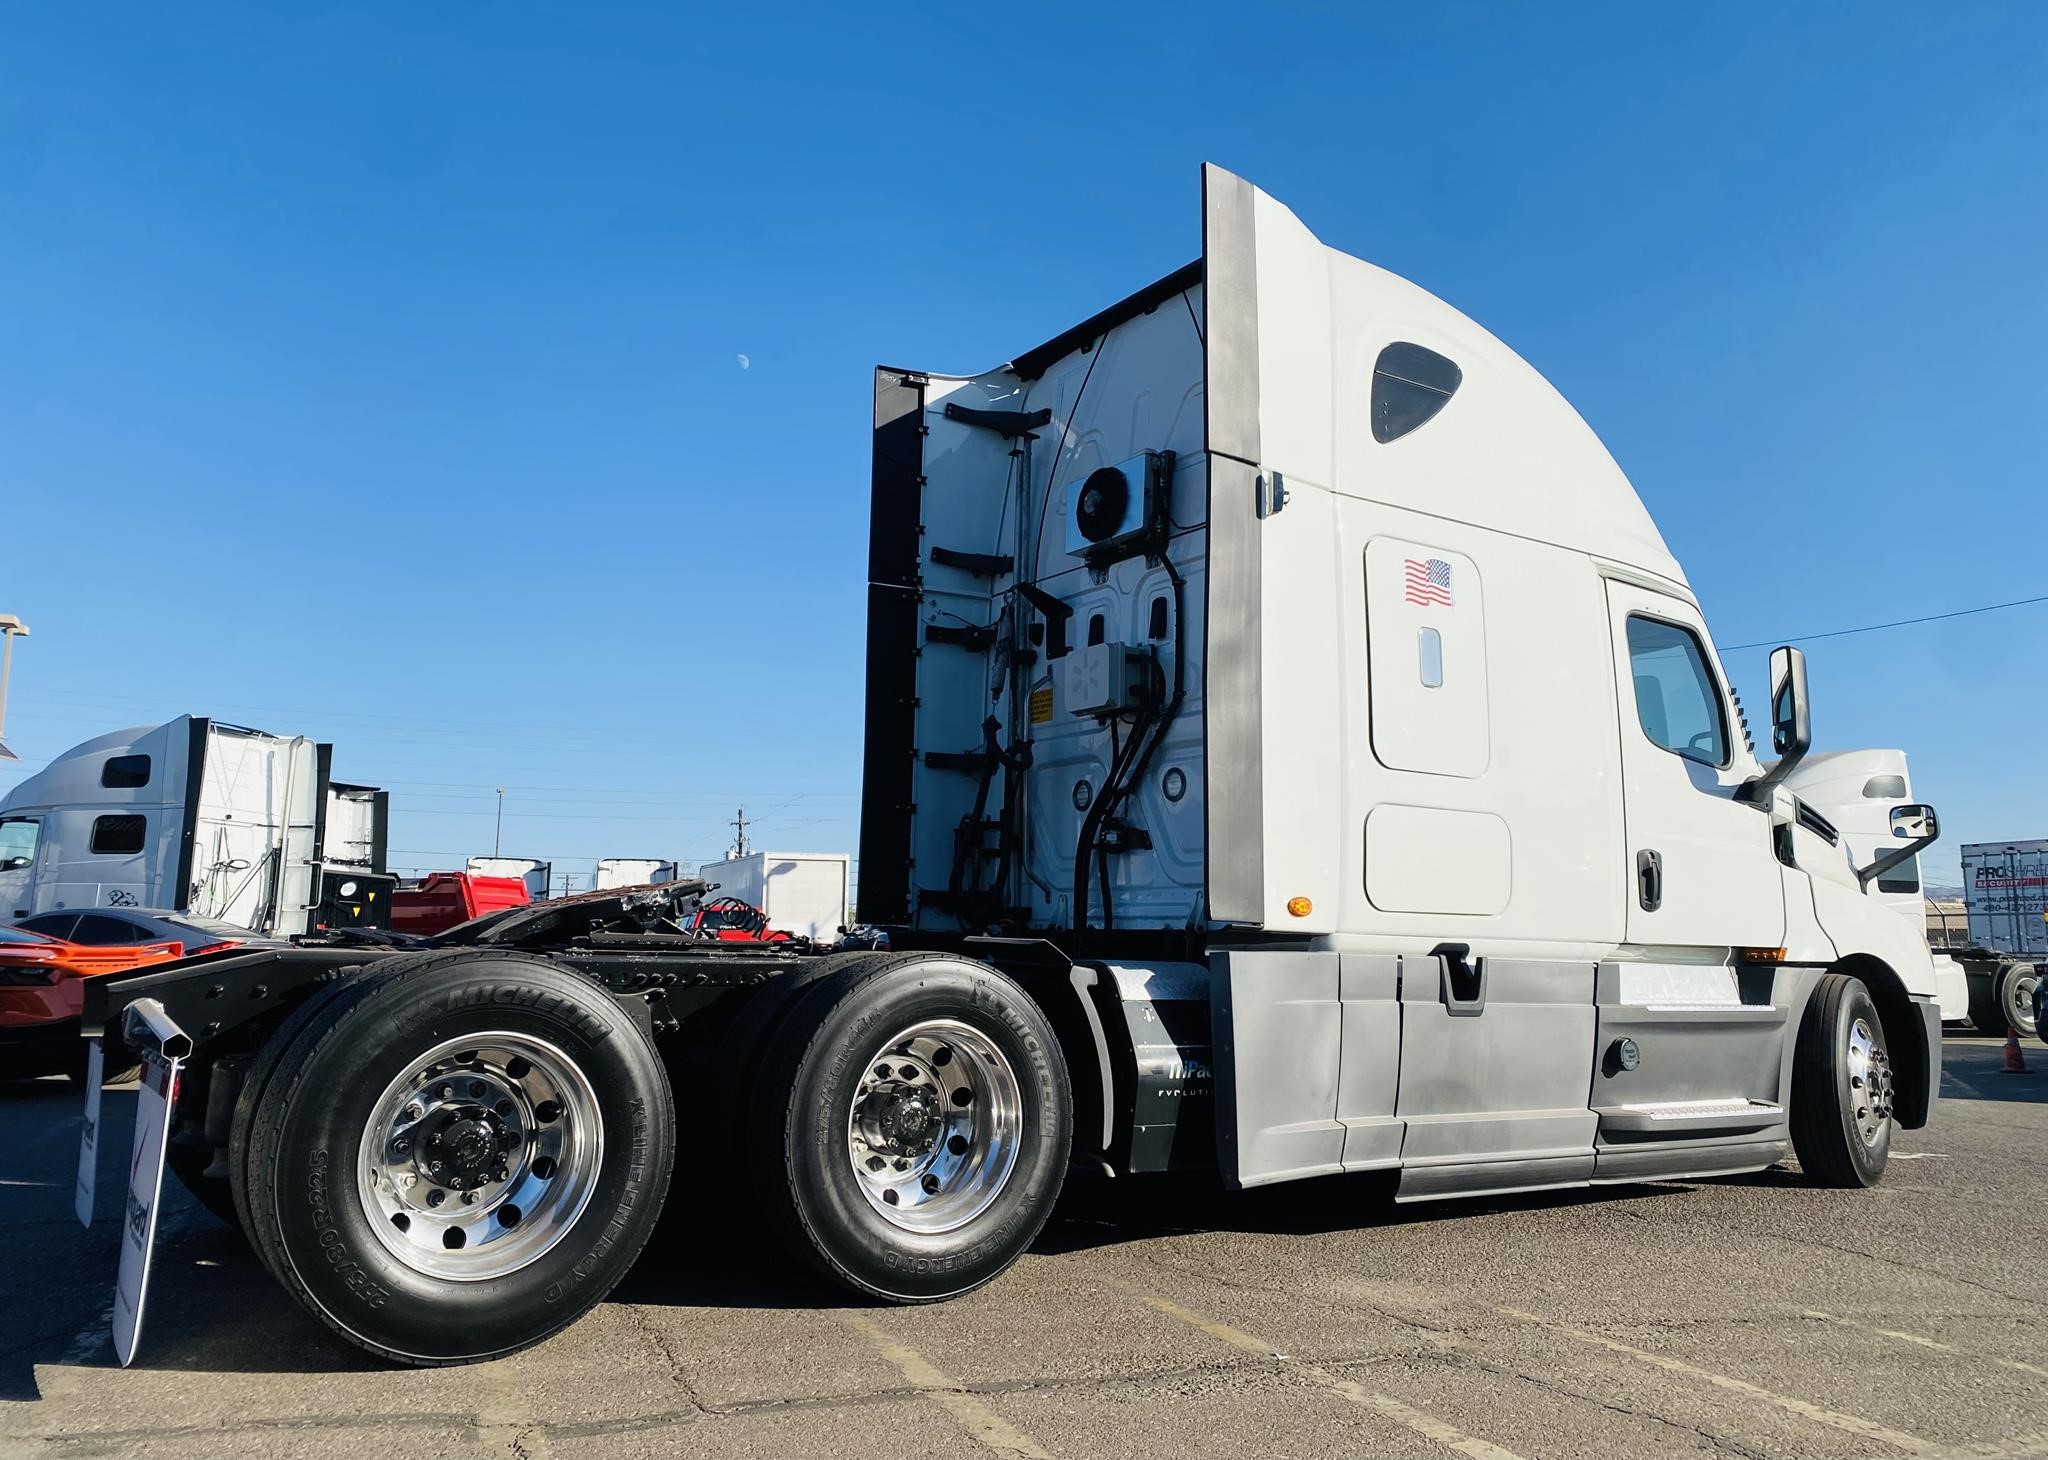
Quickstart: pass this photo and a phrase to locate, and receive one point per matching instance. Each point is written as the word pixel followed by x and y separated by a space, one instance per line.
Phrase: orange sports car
pixel 42 988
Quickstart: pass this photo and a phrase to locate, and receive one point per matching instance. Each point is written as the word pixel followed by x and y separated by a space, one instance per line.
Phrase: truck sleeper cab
pixel 1290 749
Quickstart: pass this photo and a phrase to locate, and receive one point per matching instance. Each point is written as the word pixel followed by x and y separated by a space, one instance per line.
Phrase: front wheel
pixel 912 1119
pixel 458 1155
pixel 1842 1086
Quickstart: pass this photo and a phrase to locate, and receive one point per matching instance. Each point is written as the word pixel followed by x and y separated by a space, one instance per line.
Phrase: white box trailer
pixel 632 872
pixel 2005 897
pixel 802 893
pixel 192 815
pixel 1290 749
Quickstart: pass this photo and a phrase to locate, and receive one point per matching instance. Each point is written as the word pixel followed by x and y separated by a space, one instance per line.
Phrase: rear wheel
pixel 911 1123
pixel 2016 985
pixel 458 1155
pixel 1842 1086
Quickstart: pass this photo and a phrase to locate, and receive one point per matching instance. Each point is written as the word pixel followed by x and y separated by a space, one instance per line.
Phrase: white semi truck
pixel 197 816
pixel 1290 749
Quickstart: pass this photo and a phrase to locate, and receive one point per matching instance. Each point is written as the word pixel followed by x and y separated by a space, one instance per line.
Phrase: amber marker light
pixel 1300 907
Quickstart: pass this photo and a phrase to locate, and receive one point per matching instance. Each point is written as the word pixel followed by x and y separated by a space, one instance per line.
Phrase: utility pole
pixel 739 826
pixel 498 841
pixel 11 628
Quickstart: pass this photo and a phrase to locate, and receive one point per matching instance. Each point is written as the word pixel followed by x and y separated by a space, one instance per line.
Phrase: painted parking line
pixel 987 1428
pixel 1384 1405
pixel 1853 1424
pixel 1923 1341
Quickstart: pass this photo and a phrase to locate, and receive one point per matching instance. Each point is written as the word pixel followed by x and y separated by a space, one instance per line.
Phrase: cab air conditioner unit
pixel 1116 511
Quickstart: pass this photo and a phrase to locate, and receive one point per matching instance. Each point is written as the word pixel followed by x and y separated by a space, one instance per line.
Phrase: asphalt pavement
pixel 1747 1317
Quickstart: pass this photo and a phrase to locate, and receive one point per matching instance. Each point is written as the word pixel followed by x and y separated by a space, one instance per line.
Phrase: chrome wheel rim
pixel 480 1156
pixel 1870 1081
pixel 2020 1002
pixel 935 1127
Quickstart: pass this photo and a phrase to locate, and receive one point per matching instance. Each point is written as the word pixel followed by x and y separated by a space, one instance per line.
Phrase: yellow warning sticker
pixel 1041 705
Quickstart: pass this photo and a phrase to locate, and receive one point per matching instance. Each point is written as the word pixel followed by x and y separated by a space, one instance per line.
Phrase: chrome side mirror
pixel 1912 822
pixel 1915 821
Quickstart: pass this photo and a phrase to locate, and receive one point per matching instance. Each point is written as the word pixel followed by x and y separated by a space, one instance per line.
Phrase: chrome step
pixel 1679 1117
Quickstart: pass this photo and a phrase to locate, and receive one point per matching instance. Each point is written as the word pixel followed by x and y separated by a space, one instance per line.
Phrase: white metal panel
pixel 1427 658
pixel 1424 859
pixel 1552 773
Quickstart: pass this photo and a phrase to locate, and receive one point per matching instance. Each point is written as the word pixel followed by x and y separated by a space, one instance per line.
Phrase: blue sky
pixel 374 372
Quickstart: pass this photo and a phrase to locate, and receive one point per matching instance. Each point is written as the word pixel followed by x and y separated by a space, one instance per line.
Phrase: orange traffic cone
pixel 2015 1061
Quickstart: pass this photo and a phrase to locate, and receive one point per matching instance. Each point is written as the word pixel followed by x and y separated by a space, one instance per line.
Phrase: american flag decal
pixel 1429 582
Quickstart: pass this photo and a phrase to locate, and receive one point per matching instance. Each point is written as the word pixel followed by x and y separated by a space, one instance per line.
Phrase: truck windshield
pixel 18 843
pixel 1677 700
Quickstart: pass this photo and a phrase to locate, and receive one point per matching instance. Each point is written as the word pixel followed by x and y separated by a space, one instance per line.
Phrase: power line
pixel 1897 623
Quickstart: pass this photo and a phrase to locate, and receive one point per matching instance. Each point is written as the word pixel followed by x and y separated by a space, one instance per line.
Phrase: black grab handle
pixel 1464 978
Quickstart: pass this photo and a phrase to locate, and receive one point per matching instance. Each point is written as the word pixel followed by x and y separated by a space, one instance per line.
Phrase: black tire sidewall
pixel 309 1196
pixel 859 1245
pixel 1856 1002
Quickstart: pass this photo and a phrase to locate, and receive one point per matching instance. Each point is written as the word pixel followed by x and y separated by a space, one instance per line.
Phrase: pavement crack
pixel 1901 1264
pixel 1465 1358
pixel 678 1376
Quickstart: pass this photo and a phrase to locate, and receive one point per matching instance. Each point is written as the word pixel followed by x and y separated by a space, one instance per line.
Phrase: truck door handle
pixel 1650 880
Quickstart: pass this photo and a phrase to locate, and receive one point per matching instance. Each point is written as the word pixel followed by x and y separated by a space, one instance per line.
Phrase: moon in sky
pixel 745 362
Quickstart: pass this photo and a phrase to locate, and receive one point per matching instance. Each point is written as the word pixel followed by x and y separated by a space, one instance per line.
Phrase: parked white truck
pixel 1291 749
pixel 632 872
pixel 2005 895
pixel 538 876
pixel 197 816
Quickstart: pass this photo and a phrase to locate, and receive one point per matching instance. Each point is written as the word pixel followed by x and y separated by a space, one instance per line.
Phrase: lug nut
pixel 436 1197
pixel 446 1092
pixel 437 1166
pixel 476 1089
pixel 469 1198
pixel 413 1111
pixel 401 1146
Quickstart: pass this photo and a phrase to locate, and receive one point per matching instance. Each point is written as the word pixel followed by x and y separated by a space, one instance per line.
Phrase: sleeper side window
pixel 125 772
pixel 1409 386
pixel 118 836
pixel 1678 702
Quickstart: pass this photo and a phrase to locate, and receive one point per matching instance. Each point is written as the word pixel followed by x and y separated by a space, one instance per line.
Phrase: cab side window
pixel 1678 702
pixel 18 843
